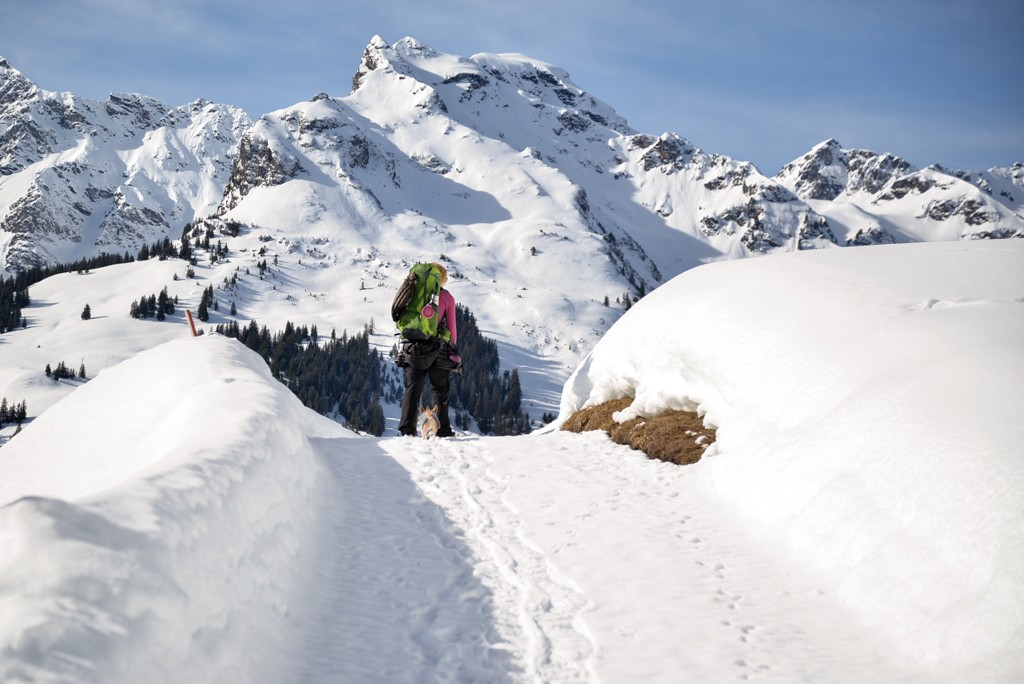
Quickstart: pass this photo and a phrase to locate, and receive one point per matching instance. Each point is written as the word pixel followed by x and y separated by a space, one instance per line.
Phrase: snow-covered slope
pixel 858 520
pixel 1005 184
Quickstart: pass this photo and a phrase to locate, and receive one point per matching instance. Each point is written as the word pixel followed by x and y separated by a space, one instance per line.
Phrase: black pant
pixel 421 367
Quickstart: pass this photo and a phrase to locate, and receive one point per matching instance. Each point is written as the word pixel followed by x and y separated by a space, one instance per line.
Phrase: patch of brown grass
pixel 678 437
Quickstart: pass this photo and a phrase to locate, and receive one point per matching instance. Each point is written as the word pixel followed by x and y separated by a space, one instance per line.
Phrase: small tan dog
pixel 430 424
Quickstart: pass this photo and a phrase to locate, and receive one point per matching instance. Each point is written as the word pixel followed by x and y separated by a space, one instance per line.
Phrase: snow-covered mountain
pixel 440 143
pixel 872 198
pixel 80 177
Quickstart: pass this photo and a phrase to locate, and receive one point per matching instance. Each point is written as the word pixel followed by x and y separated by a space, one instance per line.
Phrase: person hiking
pixel 430 354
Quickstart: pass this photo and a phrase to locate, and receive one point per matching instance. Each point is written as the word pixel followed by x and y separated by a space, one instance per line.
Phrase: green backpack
pixel 415 309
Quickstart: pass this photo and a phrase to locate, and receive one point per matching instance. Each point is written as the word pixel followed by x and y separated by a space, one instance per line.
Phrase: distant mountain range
pixel 448 141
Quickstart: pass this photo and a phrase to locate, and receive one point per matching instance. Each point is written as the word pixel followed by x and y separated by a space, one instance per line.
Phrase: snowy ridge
pixel 177 554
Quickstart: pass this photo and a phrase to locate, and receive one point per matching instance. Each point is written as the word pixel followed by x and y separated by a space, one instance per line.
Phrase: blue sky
pixel 934 81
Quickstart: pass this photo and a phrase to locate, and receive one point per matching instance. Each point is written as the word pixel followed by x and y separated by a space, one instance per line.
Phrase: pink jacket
pixel 446 303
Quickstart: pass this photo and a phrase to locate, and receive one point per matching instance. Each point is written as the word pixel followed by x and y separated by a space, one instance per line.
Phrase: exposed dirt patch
pixel 675 436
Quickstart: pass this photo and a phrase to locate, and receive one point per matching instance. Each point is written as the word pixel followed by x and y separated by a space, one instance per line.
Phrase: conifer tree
pixel 515 392
pixel 203 313
pixel 86 313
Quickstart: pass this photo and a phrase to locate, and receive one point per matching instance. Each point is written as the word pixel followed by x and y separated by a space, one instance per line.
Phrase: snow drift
pixel 164 527
pixel 868 411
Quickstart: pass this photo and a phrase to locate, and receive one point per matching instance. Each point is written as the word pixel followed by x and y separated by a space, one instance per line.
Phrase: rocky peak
pixel 23 140
pixel 196 106
pixel 15 88
pixel 256 164
pixel 828 152
pixel 373 59
pixel 871 172
pixel 822 173
pixel 666 151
